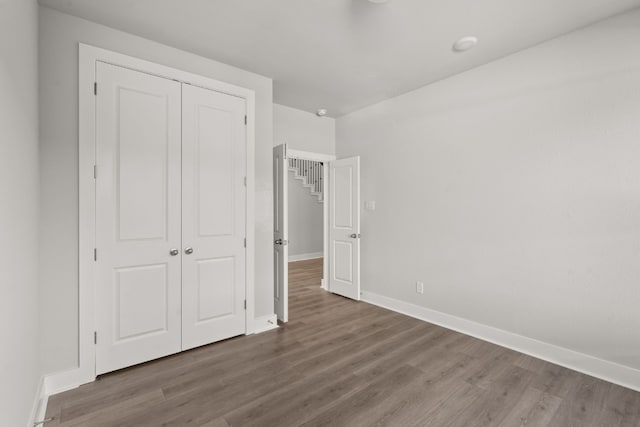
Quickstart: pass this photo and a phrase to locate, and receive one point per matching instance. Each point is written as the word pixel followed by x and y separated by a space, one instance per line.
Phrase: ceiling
pixel 345 54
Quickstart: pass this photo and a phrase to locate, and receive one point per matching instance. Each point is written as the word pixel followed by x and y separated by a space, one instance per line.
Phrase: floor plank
pixel 344 363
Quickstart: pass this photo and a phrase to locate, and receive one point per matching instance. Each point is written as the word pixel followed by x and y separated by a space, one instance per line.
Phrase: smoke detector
pixel 465 43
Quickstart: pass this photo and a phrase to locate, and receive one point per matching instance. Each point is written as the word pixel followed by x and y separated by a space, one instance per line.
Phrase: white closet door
pixel 213 222
pixel 137 217
pixel 344 227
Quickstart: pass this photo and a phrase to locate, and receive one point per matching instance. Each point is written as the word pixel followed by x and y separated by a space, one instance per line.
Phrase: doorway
pixel 335 186
pixel 305 209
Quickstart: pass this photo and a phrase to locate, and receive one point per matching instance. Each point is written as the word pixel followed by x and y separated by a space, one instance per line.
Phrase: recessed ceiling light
pixel 377 1
pixel 321 112
pixel 465 43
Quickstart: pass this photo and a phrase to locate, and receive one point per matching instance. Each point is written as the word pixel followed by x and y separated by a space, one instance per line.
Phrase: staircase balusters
pixel 311 174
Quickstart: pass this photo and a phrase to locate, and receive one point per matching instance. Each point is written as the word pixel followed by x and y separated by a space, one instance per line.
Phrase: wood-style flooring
pixel 345 363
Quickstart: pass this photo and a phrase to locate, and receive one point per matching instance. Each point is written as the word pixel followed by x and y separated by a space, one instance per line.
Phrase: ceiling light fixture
pixel 321 112
pixel 377 1
pixel 465 43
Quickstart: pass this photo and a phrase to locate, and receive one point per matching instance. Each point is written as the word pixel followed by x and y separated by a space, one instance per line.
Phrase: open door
pixel 280 233
pixel 344 227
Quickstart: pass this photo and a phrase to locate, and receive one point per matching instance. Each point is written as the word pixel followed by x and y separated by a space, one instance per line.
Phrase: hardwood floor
pixel 344 363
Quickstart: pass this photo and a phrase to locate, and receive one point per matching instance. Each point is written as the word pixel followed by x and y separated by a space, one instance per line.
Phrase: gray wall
pixel 19 365
pixel 59 38
pixel 303 131
pixel 305 220
pixel 513 192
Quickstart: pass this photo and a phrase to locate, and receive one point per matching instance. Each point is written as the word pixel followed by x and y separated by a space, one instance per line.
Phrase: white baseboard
pixel 39 407
pixel 265 323
pixel 324 285
pixel 590 365
pixel 303 257
pixel 66 380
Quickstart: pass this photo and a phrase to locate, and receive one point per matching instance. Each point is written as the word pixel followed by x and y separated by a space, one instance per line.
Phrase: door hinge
pixel 245 304
pixel 95 254
pixel 245 242
pixel 95 88
pixel 245 181
pixel 95 172
pixel 95 337
pixel 245 119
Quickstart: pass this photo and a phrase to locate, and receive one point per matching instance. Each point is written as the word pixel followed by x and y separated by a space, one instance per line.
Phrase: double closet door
pixel 170 217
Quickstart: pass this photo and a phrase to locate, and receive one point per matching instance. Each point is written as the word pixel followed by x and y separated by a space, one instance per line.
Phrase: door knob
pixel 355 236
pixel 188 250
pixel 281 242
pixel 174 252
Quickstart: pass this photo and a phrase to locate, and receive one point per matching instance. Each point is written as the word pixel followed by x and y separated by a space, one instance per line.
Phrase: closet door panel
pixel 138 286
pixel 215 149
pixel 214 205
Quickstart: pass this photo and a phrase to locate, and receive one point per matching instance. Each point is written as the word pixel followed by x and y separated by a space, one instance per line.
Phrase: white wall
pixel 305 221
pixel 303 131
pixel 19 365
pixel 59 38
pixel 513 192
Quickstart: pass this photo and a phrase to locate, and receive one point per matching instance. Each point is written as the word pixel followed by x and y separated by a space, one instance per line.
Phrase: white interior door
pixel 213 216
pixel 344 227
pixel 137 217
pixel 280 233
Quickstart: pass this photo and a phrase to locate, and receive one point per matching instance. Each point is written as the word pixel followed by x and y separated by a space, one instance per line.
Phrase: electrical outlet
pixel 419 287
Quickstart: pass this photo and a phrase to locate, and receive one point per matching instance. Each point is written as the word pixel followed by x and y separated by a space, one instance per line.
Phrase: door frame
pixel 280 231
pixel 88 57
pixel 325 159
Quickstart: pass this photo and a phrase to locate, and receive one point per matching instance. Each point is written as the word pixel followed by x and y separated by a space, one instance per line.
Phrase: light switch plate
pixel 370 205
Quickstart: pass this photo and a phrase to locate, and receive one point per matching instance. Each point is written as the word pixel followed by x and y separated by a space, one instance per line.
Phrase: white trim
pixel 58 382
pixel 325 226
pixel 88 56
pixel 250 214
pixel 304 257
pixel 590 365
pixel 266 323
pixel 39 406
pixel 86 216
pixel 308 155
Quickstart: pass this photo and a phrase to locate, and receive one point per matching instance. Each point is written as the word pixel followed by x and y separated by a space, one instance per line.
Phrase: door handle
pixel 174 252
pixel 188 250
pixel 355 236
pixel 281 242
